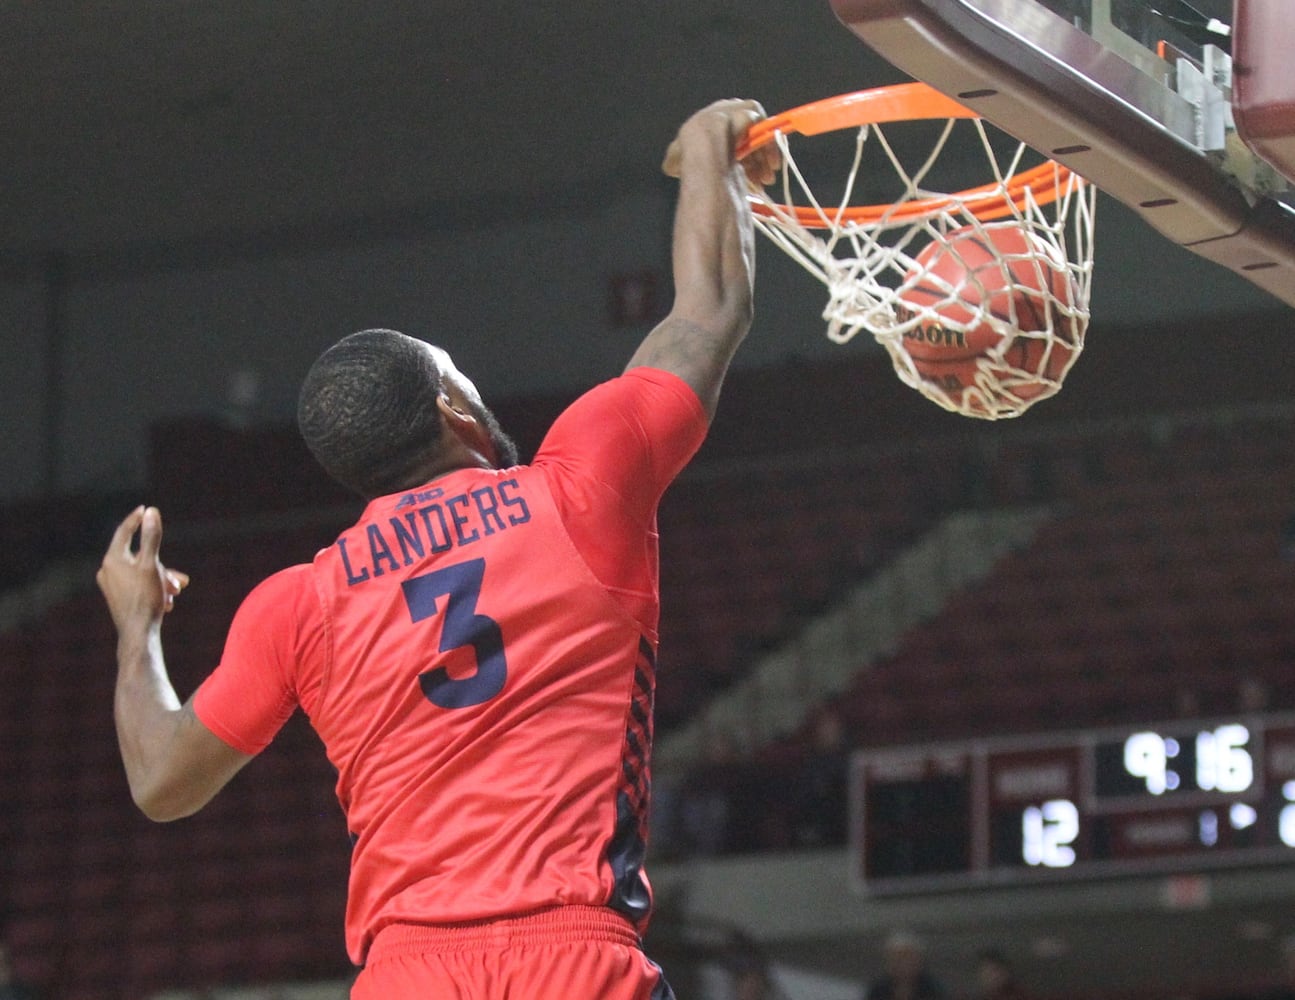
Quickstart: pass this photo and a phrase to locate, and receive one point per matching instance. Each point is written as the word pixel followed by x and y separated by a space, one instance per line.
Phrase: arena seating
pixel 1164 585
pixel 750 570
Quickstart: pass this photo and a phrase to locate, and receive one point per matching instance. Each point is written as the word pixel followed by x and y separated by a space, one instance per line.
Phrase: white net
pixel 980 297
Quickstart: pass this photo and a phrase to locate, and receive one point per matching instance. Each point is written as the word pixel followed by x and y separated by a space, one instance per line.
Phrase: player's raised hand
pixel 727 120
pixel 139 590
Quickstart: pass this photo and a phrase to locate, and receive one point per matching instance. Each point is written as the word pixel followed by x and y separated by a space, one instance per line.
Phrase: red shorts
pixel 567 953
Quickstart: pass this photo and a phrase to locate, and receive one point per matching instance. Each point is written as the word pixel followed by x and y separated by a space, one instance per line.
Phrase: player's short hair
pixel 368 413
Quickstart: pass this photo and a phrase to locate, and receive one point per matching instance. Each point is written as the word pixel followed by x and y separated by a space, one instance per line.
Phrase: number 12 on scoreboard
pixel 1048 833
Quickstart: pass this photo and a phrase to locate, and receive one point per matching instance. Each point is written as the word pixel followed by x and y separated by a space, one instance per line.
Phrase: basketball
pixel 1015 276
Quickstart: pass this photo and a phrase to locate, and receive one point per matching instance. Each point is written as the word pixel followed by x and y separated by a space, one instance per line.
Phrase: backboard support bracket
pixel 1055 87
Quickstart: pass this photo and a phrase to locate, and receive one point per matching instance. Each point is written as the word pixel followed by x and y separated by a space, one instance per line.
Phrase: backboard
pixel 1184 112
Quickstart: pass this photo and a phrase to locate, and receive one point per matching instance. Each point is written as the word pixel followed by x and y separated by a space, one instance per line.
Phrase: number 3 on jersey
pixel 460 584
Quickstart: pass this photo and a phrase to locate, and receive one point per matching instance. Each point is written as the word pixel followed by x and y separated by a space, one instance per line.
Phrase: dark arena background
pixel 1024 685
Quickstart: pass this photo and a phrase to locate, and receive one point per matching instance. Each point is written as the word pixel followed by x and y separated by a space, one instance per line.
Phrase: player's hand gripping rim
pixel 734 117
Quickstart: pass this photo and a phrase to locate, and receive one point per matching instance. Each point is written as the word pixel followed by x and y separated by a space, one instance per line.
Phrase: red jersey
pixel 477 656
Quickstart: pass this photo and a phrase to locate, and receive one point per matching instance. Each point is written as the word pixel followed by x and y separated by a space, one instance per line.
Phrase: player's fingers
pixel 733 114
pixel 670 165
pixel 150 534
pixel 772 167
pixel 175 581
pixel 739 106
pixel 747 113
pixel 120 545
pixel 771 157
pixel 760 167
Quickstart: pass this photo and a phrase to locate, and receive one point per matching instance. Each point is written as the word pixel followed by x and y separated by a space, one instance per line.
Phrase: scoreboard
pixel 1163 797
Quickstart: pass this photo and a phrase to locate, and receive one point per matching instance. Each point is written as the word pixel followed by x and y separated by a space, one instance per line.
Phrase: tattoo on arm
pixel 697 355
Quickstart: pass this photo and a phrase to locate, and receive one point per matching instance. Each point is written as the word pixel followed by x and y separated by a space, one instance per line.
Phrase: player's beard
pixel 505 447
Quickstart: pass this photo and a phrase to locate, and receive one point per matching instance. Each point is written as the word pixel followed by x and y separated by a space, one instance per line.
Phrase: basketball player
pixel 477 652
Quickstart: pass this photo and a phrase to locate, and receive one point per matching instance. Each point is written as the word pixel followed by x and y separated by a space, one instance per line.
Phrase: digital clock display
pixel 1177 762
pixel 1170 797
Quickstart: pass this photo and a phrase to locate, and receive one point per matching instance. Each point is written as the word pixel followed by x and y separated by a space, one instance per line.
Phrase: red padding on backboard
pixel 1263 79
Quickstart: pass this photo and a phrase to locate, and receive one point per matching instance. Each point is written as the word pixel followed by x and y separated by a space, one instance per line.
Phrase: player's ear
pixel 451 412
pixel 461 422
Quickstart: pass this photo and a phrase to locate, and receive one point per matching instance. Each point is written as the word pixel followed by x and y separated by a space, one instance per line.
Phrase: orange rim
pixel 901 102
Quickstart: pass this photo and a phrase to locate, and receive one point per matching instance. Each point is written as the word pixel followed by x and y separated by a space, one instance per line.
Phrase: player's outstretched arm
pixel 174 764
pixel 713 249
